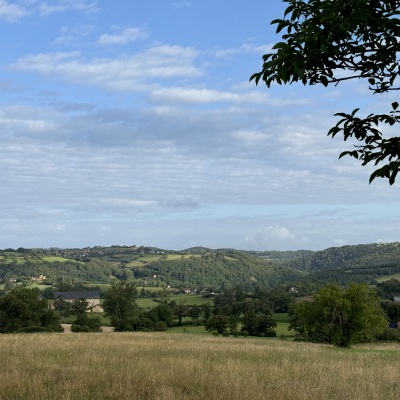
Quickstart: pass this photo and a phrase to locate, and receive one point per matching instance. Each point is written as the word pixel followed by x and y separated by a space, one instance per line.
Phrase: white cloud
pixel 11 12
pixel 129 203
pixel 181 4
pixel 246 48
pixel 250 137
pixel 185 95
pixel 129 73
pixel 84 6
pixel 272 237
pixel 73 34
pixel 203 96
pixel 123 38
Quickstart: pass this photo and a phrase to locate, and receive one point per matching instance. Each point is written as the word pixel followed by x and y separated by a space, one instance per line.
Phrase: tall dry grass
pixel 180 366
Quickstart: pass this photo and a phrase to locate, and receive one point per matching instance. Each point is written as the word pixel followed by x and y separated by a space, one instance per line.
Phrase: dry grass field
pixel 167 366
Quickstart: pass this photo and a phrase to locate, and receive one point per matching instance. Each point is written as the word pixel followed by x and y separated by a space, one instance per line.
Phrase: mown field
pixel 174 366
pixel 388 277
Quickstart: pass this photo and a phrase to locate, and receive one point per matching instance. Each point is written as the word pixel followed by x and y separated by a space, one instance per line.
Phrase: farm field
pixel 187 299
pixel 174 366
pixel 388 277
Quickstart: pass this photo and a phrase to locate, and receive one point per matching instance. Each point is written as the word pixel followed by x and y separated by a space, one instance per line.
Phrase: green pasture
pixel 146 303
pixel 145 259
pixel 55 258
pixel 388 277
pixel 187 299
pixel 283 329
pixel 281 317
pixel 190 299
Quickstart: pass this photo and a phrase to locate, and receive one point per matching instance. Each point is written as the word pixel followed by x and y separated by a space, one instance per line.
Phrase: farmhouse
pixel 92 297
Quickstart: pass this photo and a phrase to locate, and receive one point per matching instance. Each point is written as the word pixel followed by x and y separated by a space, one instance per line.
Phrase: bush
pixel 160 326
pixel 85 324
pixel 390 335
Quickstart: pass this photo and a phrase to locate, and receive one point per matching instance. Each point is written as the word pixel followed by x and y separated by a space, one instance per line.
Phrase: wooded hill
pixel 202 268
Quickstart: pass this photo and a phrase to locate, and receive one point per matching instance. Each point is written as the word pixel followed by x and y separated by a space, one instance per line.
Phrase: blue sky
pixel 127 122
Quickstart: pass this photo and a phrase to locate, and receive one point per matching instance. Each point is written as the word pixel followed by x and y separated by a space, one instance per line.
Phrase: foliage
pixel 219 271
pixel 25 310
pixel 327 42
pixel 120 305
pixel 389 288
pixel 252 310
pixel 218 323
pixel 339 316
pixel 162 313
pixel 84 323
pixel 214 270
pixel 258 324
pixel 362 263
pixel 392 310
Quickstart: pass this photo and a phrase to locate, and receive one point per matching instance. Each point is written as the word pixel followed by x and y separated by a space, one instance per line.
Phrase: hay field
pixel 167 366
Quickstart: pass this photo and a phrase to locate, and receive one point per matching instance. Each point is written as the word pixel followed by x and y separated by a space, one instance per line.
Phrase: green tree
pixel 392 310
pixel 162 313
pixel 218 323
pixel 258 324
pixel 181 310
pixel 339 316
pixel 327 42
pixel 84 323
pixel 389 288
pixel 120 305
pixel 25 310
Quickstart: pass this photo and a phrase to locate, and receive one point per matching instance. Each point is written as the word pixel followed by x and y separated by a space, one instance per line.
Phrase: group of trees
pixel 254 313
pixel 218 271
pixel 26 310
pixel 341 316
pixel 338 315
pixel 120 305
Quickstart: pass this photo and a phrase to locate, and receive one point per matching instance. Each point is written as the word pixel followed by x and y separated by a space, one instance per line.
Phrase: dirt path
pixel 67 328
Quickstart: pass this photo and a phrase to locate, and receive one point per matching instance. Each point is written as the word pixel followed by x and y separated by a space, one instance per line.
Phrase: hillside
pixel 341 265
pixel 149 266
pixel 362 255
pixel 200 267
pixel 219 270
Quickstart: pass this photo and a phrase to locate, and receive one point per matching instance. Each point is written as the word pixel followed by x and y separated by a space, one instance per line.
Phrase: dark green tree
pixel 162 313
pixel 258 324
pixel 25 310
pixel 120 305
pixel 84 323
pixel 339 316
pixel 392 310
pixel 327 42
pixel 389 288
pixel 181 310
pixel 218 323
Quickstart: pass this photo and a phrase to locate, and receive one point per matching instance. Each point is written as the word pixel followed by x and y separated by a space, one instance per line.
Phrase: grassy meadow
pixel 387 278
pixel 176 366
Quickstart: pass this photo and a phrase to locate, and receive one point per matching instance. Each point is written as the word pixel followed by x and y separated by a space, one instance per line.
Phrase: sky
pixel 128 122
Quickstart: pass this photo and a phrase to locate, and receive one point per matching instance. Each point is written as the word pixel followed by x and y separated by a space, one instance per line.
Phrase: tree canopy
pixel 340 316
pixel 327 42
pixel 120 305
pixel 25 310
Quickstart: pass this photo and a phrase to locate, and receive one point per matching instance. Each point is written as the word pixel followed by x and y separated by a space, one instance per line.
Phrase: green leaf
pixel 395 105
pixel 280 45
